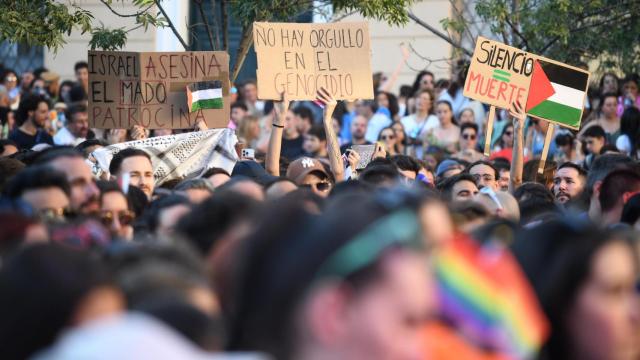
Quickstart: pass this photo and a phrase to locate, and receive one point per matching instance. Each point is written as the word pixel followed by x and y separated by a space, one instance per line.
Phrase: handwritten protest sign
pixel 298 59
pixel 550 90
pixel 151 89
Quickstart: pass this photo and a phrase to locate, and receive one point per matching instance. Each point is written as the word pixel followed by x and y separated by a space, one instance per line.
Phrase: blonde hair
pixel 244 129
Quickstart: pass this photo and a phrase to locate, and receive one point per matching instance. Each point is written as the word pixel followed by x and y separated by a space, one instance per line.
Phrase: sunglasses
pixel 387 137
pixel 11 78
pixel 125 217
pixel 321 186
pixel 468 136
pixel 508 133
pixel 54 213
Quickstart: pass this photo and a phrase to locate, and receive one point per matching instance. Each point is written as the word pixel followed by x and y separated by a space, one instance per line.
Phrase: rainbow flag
pixel 483 292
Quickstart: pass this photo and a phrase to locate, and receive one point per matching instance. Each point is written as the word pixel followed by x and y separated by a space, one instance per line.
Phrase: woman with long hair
pixel 401 137
pixel 629 137
pixel 447 134
pixel 388 137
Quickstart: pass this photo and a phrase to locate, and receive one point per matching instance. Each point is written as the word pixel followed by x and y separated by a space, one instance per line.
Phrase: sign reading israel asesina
pixel 501 74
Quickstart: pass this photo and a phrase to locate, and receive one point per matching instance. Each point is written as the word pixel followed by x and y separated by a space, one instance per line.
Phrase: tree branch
pixel 173 28
pixel 438 33
pixel 245 44
pixel 125 15
pixel 216 23
pixel 206 24
pixel 225 25
pixel 519 34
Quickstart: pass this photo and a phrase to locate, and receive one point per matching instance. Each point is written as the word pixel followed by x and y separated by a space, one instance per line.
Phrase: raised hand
pixel 517 114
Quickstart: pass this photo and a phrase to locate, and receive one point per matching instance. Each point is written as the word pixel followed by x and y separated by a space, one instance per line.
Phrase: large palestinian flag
pixel 205 95
pixel 557 93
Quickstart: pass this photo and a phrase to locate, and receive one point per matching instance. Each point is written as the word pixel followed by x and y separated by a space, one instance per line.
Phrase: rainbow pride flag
pixel 485 295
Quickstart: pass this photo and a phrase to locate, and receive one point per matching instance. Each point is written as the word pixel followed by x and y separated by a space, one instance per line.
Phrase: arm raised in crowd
pixel 335 158
pixel 272 159
pixel 394 76
pixel 517 161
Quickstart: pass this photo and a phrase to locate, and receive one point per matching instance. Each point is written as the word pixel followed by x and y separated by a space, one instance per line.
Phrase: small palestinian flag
pixel 205 95
pixel 557 93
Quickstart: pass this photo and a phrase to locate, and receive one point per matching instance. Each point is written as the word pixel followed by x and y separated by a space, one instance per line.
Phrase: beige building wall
pixel 78 44
pixel 386 40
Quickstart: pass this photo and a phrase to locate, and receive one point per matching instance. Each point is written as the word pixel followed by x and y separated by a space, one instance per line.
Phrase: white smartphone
pixel 248 154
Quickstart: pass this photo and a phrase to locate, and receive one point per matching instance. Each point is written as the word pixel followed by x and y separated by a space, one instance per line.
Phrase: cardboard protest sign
pixel 157 89
pixel 297 59
pixel 550 90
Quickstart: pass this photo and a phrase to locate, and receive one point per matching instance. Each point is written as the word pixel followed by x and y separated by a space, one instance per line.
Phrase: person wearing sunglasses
pixel 469 143
pixel 115 211
pixel 45 189
pixel 388 137
pixel 311 173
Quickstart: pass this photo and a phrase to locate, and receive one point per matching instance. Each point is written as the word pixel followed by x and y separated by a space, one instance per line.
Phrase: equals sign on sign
pixel 501 75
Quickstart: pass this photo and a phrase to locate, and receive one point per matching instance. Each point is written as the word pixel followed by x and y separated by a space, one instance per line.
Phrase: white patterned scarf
pixel 180 156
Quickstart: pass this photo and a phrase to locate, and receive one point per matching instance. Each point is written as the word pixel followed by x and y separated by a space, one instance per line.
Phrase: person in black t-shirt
pixel 32 114
pixel 292 141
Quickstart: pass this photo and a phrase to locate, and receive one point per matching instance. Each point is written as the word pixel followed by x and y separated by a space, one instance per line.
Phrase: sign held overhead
pixel 151 89
pixel 297 59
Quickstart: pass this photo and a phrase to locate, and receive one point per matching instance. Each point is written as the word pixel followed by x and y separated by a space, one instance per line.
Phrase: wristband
pixel 278 126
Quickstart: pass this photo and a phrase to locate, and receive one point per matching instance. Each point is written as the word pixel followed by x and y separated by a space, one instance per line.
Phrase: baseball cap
pixel 304 166
pixel 445 166
pixel 253 171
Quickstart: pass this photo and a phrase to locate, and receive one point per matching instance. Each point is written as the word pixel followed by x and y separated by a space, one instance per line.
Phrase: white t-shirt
pixel 416 129
pixel 65 137
pixel 375 125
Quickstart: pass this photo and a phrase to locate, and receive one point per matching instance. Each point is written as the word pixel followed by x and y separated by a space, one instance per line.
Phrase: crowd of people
pixel 373 229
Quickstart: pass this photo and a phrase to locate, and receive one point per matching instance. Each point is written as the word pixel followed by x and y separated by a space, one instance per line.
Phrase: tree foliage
pixel 571 31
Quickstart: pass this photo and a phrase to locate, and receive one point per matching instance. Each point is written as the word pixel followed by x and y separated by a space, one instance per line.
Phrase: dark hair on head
pixel 42 286
pixel 214 171
pixel 453 116
pixel 406 163
pixel 77 94
pixel 119 157
pixel 9 167
pixel 283 256
pixel 530 172
pixel 317 130
pixel 53 153
pixel 443 84
pixel 557 256
pixel 350 187
pixel 631 210
pixel 633 77
pixel 393 103
pixel 630 126
pixel 603 165
pixel 80 65
pixel 582 172
pixel 405 91
pixel 595 131
pixel 416 82
pixel 378 172
pixel 239 105
pixel 564 139
pixel 601 84
pixel 27 104
pixel 304 113
pixel 155 208
pixel 198 183
pixel 606 96
pixel 465 126
pixel 37 177
pixel 83 146
pixel 106 187
pixel 4 115
pixel 446 186
pixel 500 140
pixel 501 164
pixel 138 200
pixel 482 162
pixel 6 72
pixel 73 109
pixel 534 199
pixel 615 185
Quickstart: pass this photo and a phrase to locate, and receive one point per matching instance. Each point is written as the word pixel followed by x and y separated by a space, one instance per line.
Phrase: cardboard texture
pixel 297 59
pixel 549 90
pixel 149 88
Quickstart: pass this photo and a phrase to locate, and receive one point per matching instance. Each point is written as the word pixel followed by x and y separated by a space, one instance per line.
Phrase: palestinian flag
pixel 557 93
pixel 205 95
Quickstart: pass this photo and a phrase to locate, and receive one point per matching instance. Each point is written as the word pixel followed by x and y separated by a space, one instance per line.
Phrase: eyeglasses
pixel 125 217
pixel 468 136
pixel 11 78
pixel 54 213
pixel 321 186
pixel 387 137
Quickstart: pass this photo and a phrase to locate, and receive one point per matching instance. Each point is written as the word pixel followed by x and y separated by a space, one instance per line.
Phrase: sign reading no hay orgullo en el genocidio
pixel 500 75
pixel 297 59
